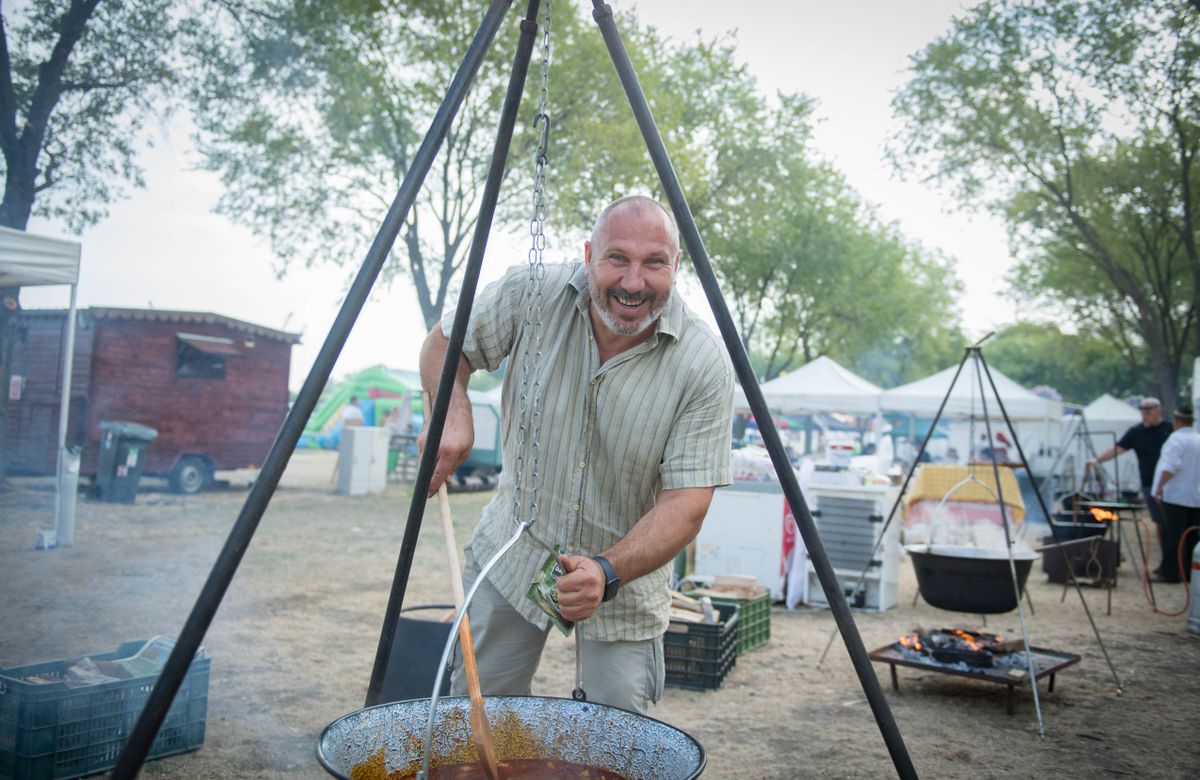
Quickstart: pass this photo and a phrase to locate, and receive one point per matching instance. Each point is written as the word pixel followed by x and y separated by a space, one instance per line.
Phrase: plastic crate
pixel 754 623
pixel 700 655
pixel 49 730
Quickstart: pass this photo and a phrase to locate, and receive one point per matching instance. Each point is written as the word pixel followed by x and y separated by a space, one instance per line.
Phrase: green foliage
pixel 809 268
pixel 1079 122
pixel 1080 367
pixel 311 115
pixel 79 81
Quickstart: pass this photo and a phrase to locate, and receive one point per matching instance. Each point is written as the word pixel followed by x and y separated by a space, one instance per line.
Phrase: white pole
pixel 64 500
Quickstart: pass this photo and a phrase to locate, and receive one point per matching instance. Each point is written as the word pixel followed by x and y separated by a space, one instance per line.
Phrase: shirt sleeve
pixel 1171 457
pixel 1127 441
pixel 697 452
pixel 495 318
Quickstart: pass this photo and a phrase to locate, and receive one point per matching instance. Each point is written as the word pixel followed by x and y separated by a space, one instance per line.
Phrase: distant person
pixel 1146 440
pixel 1177 488
pixel 351 415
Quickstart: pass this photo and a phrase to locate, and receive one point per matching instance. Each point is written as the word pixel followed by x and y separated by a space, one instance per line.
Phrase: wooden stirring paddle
pixel 481 730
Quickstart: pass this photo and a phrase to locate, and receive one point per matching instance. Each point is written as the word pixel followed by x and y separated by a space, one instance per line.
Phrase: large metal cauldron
pixel 969 579
pixel 631 745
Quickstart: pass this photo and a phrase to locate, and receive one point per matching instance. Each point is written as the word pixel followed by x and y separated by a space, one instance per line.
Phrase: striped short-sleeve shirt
pixel 612 437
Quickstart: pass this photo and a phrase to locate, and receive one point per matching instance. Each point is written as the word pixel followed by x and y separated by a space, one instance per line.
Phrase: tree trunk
pixel 14 213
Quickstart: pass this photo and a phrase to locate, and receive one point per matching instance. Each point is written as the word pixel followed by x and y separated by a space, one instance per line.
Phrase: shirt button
pixel 570 549
pixel 581 464
pixel 575 508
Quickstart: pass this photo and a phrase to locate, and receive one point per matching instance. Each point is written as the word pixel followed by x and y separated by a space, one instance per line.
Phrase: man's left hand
pixel 581 589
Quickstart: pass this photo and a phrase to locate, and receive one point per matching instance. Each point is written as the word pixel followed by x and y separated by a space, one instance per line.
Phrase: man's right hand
pixel 458 437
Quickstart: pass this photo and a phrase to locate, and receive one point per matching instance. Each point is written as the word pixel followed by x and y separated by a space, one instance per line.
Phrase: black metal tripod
pixel 974 353
pixel 219 579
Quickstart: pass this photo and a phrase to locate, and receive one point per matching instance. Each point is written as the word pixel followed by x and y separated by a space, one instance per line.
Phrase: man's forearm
pixel 661 533
pixel 458 433
pixel 433 357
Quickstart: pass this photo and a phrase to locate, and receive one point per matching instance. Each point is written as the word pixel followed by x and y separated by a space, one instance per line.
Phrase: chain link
pixel 529 416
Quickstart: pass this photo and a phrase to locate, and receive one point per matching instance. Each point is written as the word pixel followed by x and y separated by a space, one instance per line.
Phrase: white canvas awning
pixel 821 385
pixel 30 260
pixel 924 396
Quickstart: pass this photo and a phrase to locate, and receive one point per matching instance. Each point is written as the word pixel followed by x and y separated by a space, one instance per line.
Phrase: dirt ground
pixel 293 643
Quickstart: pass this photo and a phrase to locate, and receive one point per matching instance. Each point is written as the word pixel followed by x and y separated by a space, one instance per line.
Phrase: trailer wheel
pixel 190 475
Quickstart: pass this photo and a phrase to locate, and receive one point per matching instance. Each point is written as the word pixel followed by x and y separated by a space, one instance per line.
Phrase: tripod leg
pixel 820 559
pixel 466 297
pixel 192 634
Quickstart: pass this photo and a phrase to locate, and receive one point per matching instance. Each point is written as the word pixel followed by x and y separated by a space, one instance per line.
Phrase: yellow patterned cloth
pixel 934 480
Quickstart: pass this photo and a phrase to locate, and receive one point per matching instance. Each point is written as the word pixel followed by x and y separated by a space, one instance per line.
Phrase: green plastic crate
pixel 754 628
pixel 51 731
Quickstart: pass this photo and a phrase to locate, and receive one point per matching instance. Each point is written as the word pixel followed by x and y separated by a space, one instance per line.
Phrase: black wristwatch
pixel 611 580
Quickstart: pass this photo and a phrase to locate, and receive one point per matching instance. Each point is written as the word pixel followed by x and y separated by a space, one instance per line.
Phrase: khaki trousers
pixel 508 648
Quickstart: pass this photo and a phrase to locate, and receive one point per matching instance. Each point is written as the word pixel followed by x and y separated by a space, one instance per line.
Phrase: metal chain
pixel 529 416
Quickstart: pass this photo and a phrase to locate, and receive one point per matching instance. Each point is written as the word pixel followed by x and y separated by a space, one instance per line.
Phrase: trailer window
pixel 202 357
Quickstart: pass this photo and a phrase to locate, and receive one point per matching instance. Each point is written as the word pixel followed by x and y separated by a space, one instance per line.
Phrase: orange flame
pixel 1103 515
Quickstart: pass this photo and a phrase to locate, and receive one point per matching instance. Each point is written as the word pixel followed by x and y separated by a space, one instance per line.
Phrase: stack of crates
pixel 755 619
pixel 53 729
pixel 700 655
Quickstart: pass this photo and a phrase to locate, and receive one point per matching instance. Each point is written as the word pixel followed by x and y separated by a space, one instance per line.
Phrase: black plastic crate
pixel 700 655
pixel 51 731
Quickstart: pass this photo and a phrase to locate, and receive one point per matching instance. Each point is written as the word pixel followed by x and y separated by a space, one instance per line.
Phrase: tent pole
pixel 64 505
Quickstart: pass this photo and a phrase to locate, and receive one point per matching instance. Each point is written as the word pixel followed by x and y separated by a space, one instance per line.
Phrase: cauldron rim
pixel 969 551
pixel 328 765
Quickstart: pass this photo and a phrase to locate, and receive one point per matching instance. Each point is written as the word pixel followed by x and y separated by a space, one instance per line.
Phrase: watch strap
pixel 611 580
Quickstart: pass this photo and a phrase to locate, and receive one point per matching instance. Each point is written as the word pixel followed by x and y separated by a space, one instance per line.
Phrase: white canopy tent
pixel 28 260
pixel 821 385
pixel 1036 420
pixel 1107 420
pixel 924 396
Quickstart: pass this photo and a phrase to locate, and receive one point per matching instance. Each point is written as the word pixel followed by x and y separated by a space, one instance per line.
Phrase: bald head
pixel 635 203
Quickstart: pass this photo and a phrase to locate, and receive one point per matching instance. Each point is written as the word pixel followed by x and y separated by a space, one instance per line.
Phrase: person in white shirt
pixel 1177 488
pixel 352 415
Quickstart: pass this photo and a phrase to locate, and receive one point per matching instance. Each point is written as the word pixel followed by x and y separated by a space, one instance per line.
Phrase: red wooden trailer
pixel 215 389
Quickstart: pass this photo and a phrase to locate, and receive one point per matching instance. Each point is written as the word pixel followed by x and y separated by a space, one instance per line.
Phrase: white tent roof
pixel 924 396
pixel 1107 408
pixel 821 385
pixel 28 260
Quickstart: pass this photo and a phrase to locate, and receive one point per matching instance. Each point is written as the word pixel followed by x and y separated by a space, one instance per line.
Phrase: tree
pixel 1079 367
pixel 311 112
pixel 1079 122
pixel 806 264
pixel 78 82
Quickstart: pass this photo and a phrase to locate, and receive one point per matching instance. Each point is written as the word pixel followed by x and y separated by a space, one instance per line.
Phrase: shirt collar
pixel 670 323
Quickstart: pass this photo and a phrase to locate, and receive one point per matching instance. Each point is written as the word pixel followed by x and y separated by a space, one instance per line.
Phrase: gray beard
pixel 600 304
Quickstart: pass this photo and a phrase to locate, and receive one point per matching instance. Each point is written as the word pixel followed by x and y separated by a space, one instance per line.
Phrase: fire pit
pixel 973 654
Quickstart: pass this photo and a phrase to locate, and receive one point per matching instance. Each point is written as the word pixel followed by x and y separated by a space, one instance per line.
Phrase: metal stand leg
pixel 1137 532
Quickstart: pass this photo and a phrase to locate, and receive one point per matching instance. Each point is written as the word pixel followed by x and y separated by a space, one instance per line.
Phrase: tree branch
pixel 8 98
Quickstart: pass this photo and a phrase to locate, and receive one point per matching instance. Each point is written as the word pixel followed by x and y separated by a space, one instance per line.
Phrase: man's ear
pixel 587 254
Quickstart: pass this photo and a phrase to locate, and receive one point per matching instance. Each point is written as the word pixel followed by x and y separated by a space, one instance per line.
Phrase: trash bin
pixel 123 448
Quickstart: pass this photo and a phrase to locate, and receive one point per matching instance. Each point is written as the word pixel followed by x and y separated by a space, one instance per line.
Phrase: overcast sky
pixel 164 247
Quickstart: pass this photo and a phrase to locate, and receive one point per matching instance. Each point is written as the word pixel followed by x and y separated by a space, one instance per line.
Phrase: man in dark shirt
pixel 1146 440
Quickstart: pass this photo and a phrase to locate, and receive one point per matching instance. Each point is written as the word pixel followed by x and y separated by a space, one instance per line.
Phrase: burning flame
pixel 912 642
pixel 1103 515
